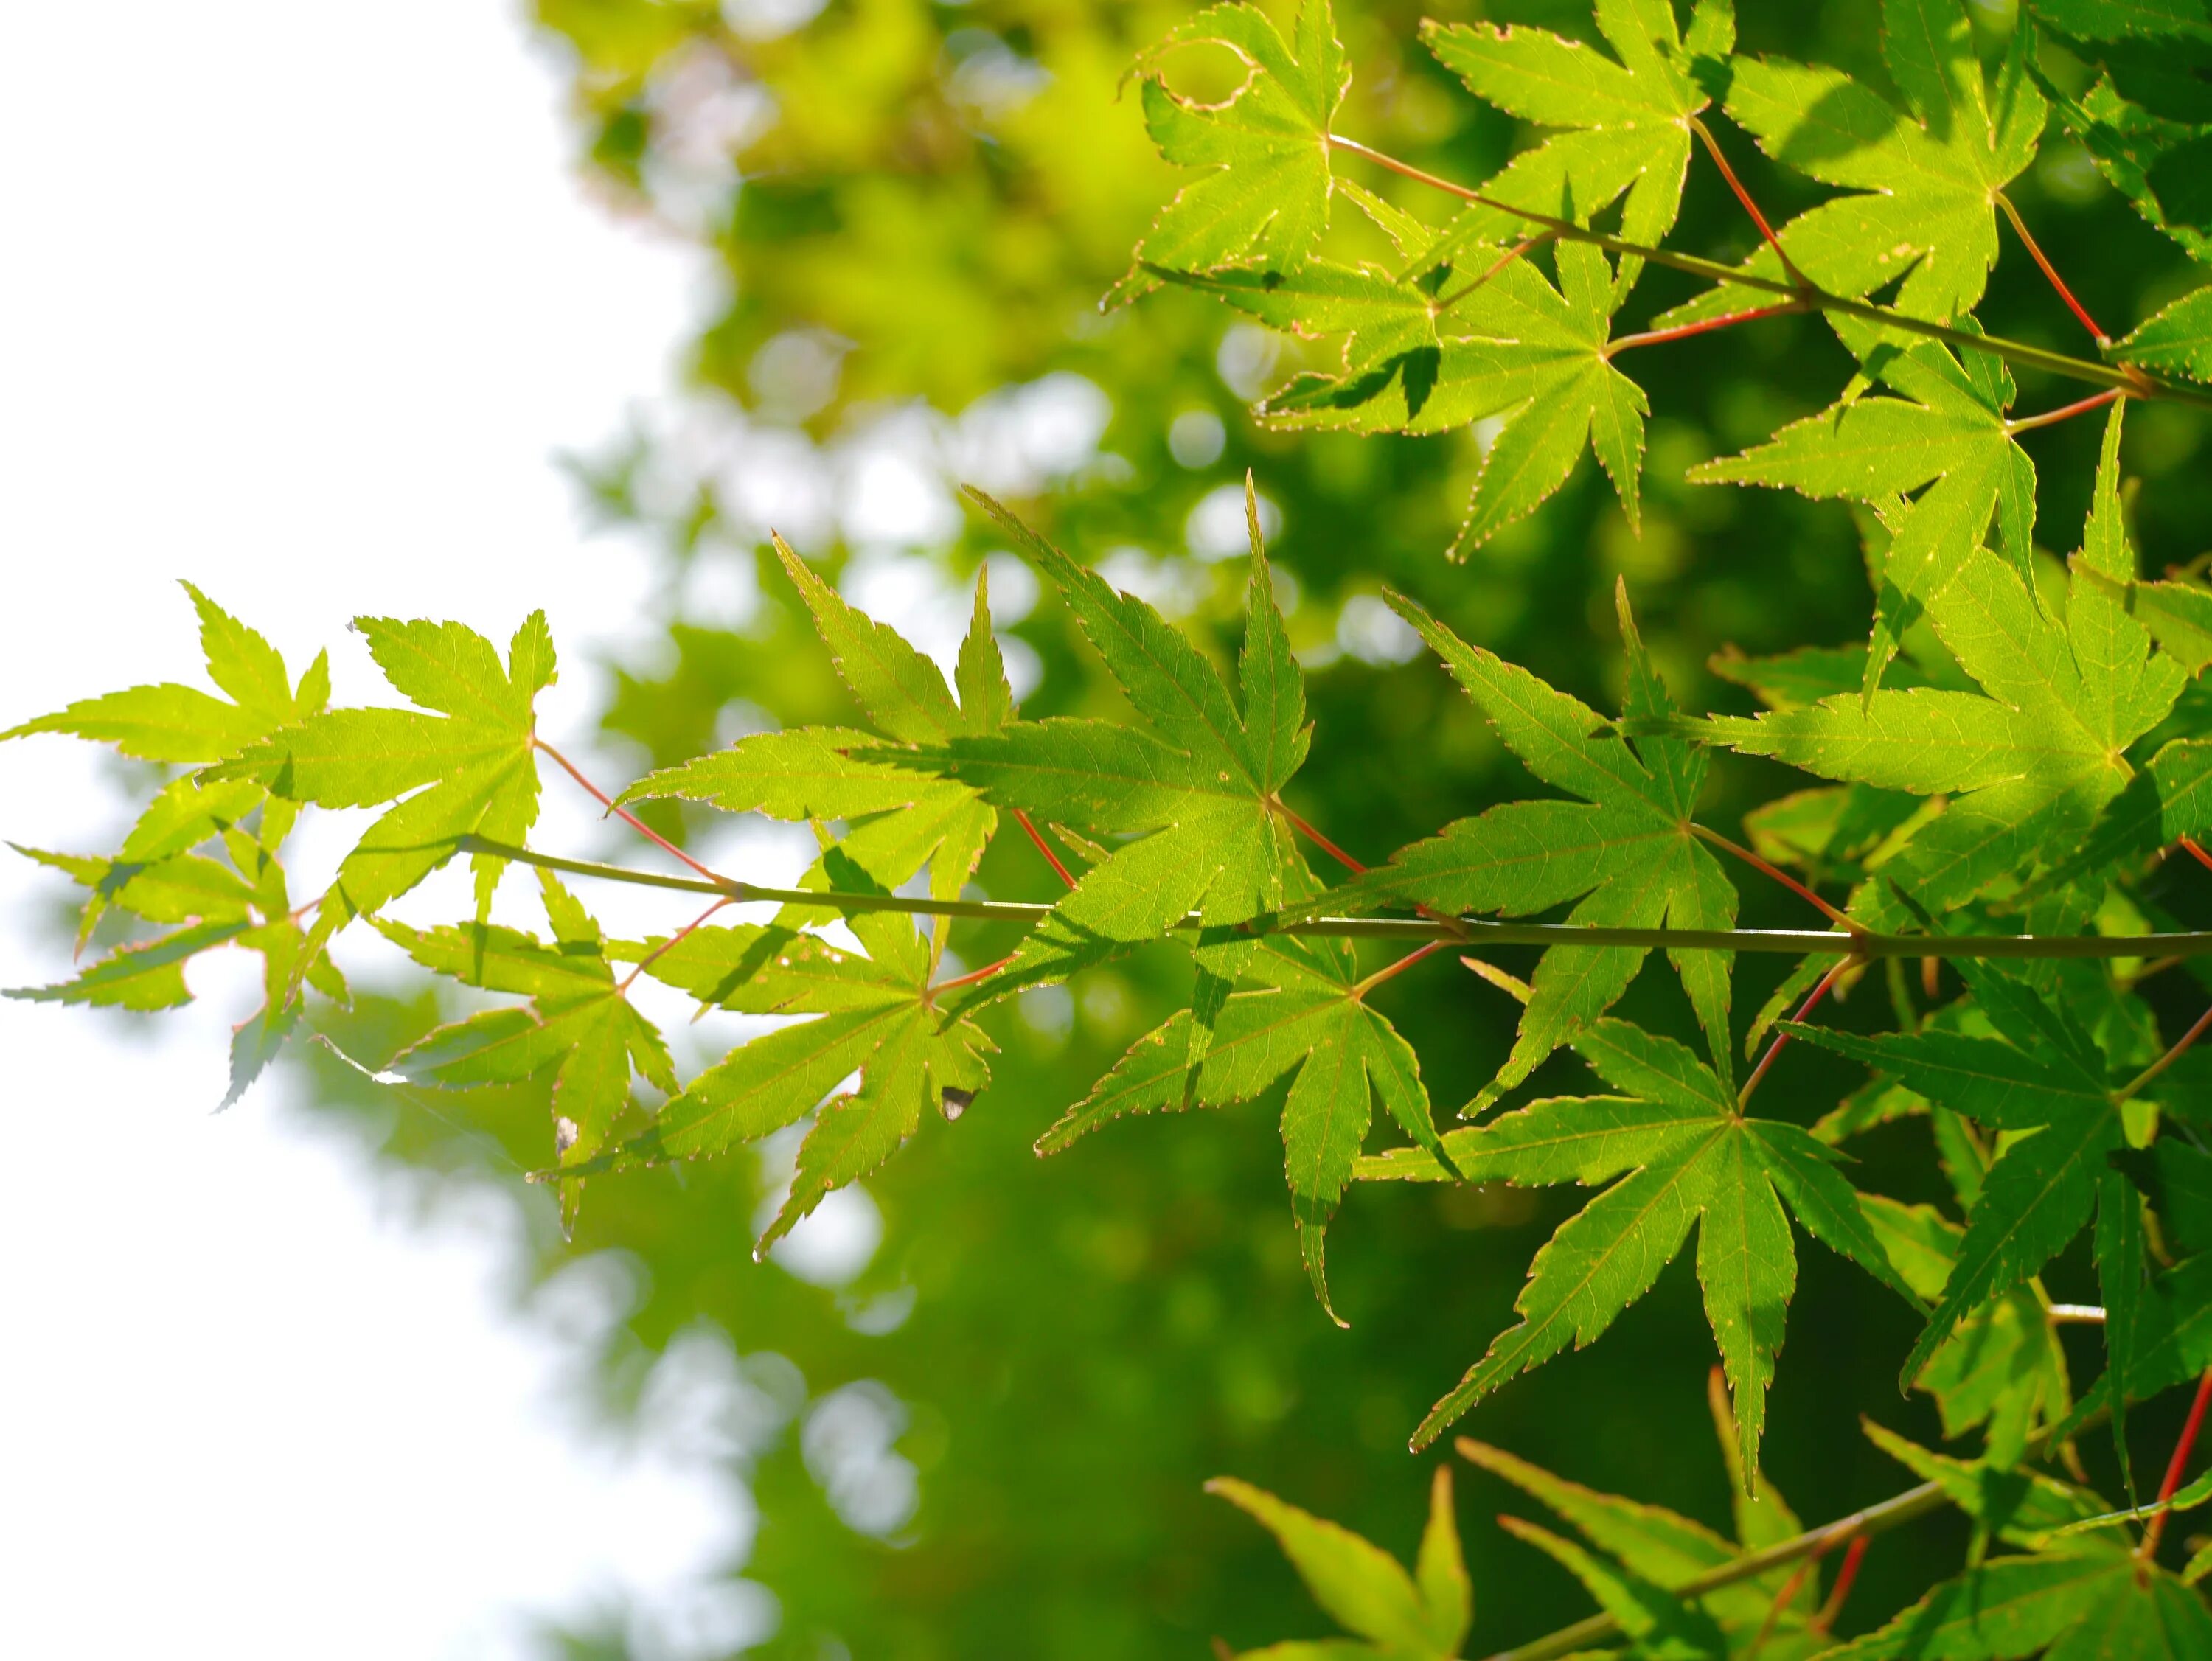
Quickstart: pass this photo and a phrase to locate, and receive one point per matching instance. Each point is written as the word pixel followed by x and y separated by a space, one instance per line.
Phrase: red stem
pixel 2065 412
pixel 1781 1039
pixel 673 940
pixel 1043 846
pixel 625 814
pixel 1510 255
pixel 2197 853
pixel 2181 1048
pixel 1713 149
pixel 1779 875
pixel 971 976
pixel 1844 1576
pixel 1320 841
pixel 1782 1599
pixel 2179 1463
pixel 1658 336
pixel 2065 293
pixel 1391 971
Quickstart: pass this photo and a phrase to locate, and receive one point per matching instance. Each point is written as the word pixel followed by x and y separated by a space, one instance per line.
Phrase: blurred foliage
pixel 912 209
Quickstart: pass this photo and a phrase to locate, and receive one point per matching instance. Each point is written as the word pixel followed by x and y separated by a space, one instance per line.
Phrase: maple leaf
pixel 2094 1597
pixel 1421 1616
pixel 2029 760
pixel 1686 1155
pixel 2145 120
pixel 579 1023
pixel 1264 198
pixel 2038 1073
pixel 874 1015
pixel 1624 852
pixel 1948 438
pixel 1200 787
pixel 896 820
pixel 1664 1550
pixel 1534 358
pixel 2177 341
pixel 466 754
pixel 1622 122
pixel 1924 177
pixel 1306 1020
pixel 160 877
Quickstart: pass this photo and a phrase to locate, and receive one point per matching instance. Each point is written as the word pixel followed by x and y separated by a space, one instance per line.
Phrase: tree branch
pixel 1467 931
pixel 2124 378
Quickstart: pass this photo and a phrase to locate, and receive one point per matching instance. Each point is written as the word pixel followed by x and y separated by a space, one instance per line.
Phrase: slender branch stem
pixel 1782 1601
pixel 1713 149
pixel 2196 850
pixel 622 814
pixel 1043 846
pixel 971 976
pixel 2085 1314
pixel 2181 1048
pixel 1319 840
pixel 2065 412
pixel 1503 260
pixel 1779 875
pixel 673 940
pixel 2125 378
pixel 1781 1039
pixel 2177 1465
pixel 2050 272
pixel 1706 326
pixel 1879 1519
pixel 1391 971
pixel 1478 932
pixel 1844 1576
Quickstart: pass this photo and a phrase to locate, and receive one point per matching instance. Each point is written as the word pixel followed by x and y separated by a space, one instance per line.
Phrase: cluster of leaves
pixel 2007 758
pixel 2061 1582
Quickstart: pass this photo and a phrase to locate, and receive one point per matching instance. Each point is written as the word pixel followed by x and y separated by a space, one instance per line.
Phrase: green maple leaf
pixel 1264 197
pixel 1948 438
pixel 2019 1507
pixel 1624 852
pixel 1923 177
pixel 897 819
pixel 2146 120
pixel 2029 765
pixel 463 759
pixel 1622 123
pixel 1535 359
pixel 1199 786
pixel 2177 341
pixel 579 1023
pixel 1685 1154
pixel 1666 1550
pixel 2093 1599
pixel 1307 1020
pixel 1421 1616
pixel 2001 1366
pixel 874 1015
pixel 2041 1074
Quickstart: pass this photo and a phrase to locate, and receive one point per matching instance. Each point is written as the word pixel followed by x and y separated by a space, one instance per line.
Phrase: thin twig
pixel 2196 850
pixel 621 813
pixel 2181 1047
pixel 1480 932
pixel 2083 1315
pixel 1774 1049
pixel 2035 253
pixel 1765 230
pixel 1318 839
pixel 1705 326
pixel 2177 1465
pixel 2067 412
pixel 2124 378
pixel 1043 846
pixel 1844 1576
pixel 1780 875
pixel 1391 971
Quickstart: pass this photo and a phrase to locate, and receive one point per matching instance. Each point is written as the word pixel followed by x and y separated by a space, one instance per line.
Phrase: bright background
pixel 280 271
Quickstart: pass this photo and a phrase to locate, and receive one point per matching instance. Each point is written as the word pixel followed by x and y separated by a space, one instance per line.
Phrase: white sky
pixel 298 301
